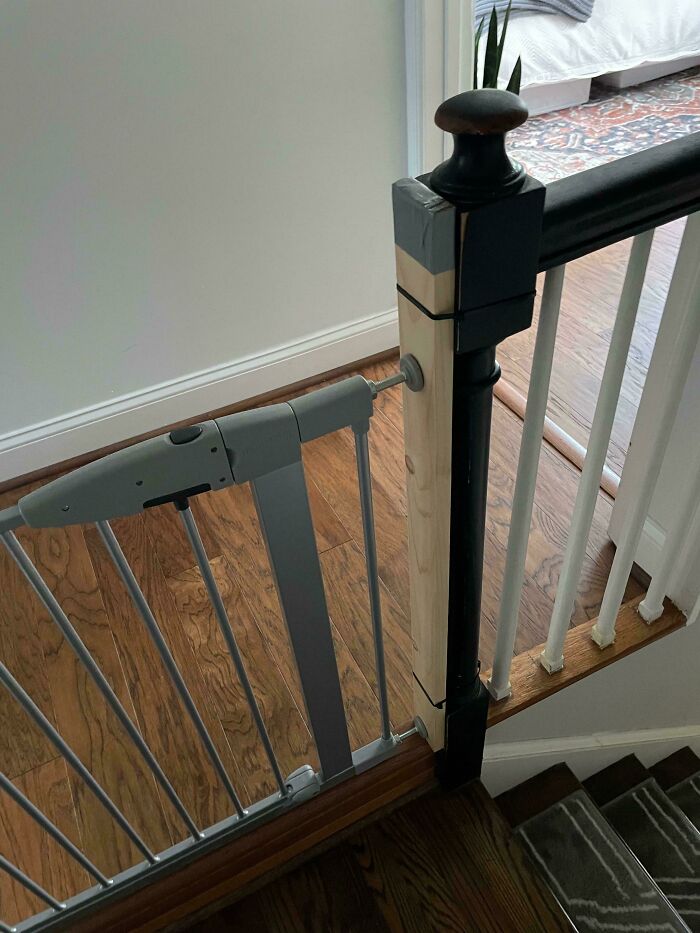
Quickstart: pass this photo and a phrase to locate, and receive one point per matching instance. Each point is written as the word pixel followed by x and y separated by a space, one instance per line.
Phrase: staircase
pixel 620 852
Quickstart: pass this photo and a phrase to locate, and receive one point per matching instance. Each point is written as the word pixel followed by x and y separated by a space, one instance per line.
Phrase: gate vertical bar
pixel 364 475
pixel 467 246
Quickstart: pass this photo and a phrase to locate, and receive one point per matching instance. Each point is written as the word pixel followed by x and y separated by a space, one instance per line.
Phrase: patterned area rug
pixel 610 125
pixel 664 841
pixel 596 879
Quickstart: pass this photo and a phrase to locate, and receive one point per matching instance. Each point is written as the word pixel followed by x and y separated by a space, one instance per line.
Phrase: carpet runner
pixel 665 842
pixel 595 877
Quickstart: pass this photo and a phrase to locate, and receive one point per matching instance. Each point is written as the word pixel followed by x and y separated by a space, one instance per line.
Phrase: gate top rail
pixel 589 210
pixel 194 459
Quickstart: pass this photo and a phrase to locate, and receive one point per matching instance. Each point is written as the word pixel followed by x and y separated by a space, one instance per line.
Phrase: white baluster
pixel 552 658
pixel 652 606
pixel 526 481
pixel 683 301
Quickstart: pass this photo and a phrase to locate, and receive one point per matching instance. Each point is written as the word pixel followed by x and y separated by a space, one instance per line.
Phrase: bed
pixel 624 42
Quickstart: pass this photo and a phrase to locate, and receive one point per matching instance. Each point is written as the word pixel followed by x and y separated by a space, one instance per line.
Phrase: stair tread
pixel 443 862
pixel 616 779
pixel 676 768
pixel 593 874
pixel 665 842
pixel 537 794
pixel 686 797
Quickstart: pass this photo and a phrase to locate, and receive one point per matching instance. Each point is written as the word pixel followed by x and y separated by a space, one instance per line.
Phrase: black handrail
pixel 617 200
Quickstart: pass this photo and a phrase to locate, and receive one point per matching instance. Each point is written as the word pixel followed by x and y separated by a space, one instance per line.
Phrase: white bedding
pixel 620 34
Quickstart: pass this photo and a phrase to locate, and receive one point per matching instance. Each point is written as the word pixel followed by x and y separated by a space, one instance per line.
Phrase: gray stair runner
pixel 686 796
pixel 665 842
pixel 597 880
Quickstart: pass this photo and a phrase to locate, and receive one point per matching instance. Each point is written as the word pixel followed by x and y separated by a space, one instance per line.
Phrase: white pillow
pixel 620 34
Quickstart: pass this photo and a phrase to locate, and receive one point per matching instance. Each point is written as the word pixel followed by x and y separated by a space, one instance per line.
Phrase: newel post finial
pixel 479 169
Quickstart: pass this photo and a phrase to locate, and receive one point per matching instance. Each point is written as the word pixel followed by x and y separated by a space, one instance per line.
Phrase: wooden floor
pixel 445 862
pixel 74 564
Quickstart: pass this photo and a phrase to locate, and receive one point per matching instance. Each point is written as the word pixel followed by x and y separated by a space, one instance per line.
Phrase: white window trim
pixel 439 41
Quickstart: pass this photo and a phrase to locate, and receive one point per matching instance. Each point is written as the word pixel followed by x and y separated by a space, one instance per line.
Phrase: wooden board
pixel 23 747
pixel 531 683
pixel 82 715
pixel 24 842
pixel 163 720
pixel 228 870
pixel 235 523
pixel 285 724
pixel 448 863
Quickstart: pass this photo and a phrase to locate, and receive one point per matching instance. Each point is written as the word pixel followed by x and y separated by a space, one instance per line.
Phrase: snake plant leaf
pixel 503 36
pixel 491 54
pixel 477 40
pixel 514 83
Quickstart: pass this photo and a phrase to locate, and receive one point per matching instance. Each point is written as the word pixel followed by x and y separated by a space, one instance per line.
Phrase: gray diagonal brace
pixel 283 509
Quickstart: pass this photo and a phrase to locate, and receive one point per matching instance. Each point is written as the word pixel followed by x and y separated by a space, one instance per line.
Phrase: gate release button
pixel 185 435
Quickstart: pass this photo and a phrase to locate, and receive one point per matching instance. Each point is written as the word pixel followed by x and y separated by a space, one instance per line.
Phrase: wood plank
pixel 537 794
pixel 345 580
pixel 163 720
pixel 531 683
pixel 82 715
pixel 287 729
pixel 428 444
pixel 32 850
pixel 222 873
pixel 329 462
pixel 232 515
pixel 677 767
pixel 329 890
pixel 447 863
pixel 24 747
pixel 168 538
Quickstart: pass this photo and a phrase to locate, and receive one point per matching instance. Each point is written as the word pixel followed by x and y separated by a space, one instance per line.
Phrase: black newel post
pixel 499 214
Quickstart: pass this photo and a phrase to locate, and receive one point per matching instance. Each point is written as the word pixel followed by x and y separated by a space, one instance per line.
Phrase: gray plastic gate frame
pixel 262 446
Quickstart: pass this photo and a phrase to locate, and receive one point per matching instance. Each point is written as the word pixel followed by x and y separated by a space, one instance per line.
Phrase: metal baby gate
pixel 261 447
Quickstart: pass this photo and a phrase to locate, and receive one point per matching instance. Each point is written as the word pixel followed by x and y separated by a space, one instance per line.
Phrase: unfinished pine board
pixel 428 445
pixel 285 724
pixel 82 715
pixel 531 683
pixel 163 720
pixel 33 851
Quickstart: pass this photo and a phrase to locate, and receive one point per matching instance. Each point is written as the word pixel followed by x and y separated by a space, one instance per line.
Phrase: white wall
pixel 647 704
pixel 195 201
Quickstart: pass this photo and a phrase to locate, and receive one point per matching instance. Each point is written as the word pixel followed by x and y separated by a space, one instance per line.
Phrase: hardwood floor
pixel 75 565
pixel 443 863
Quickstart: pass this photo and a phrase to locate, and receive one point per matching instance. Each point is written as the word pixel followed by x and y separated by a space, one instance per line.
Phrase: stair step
pixel 679 776
pixel 597 880
pixel 443 862
pixel 656 830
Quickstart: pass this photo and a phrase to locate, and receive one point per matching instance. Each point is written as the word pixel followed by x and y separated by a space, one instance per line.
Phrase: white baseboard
pixel 507 764
pixel 78 432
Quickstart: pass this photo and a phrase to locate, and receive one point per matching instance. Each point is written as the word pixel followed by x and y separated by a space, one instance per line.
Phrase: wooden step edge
pixel 616 779
pixel 677 767
pixel 537 794
pixel 229 872
pixel 531 683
